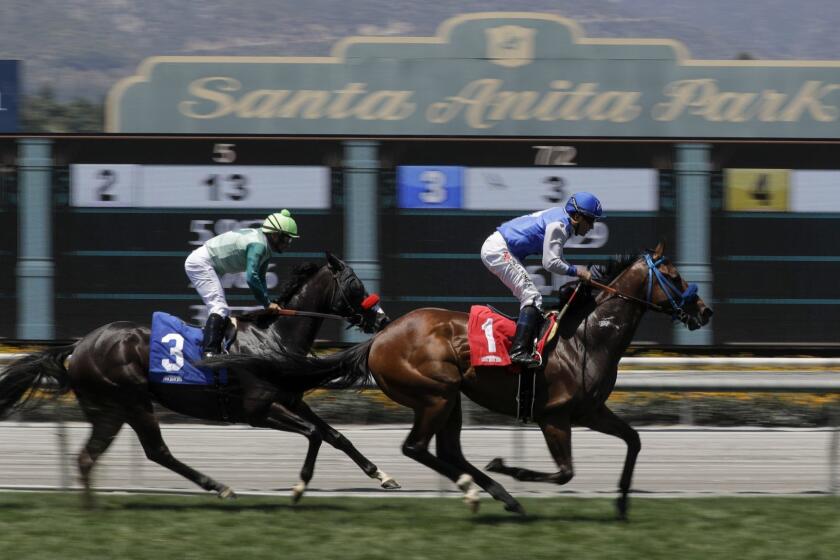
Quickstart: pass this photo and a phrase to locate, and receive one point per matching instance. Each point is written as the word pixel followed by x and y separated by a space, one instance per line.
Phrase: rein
pixel 369 302
pixel 626 297
pixel 295 313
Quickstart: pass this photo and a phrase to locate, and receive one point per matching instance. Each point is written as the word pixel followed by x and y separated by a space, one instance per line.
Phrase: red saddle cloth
pixel 490 335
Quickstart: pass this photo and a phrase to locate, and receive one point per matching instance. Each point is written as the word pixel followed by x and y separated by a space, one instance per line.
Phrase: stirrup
pixel 526 360
pixel 207 354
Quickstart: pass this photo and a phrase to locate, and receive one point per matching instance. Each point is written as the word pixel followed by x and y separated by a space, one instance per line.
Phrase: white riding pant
pixel 199 269
pixel 497 258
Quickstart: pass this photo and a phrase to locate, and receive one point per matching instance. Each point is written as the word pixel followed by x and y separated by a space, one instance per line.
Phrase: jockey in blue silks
pixel 544 232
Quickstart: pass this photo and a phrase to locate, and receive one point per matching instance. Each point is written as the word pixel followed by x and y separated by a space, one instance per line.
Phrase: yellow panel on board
pixel 757 190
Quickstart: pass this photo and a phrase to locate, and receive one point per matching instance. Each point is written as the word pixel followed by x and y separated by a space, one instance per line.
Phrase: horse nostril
pixel 381 322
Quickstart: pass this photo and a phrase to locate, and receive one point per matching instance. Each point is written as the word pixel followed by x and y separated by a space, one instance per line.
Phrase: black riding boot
pixel 211 345
pixel 522 350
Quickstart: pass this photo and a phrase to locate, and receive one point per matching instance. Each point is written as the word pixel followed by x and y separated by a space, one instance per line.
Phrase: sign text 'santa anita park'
pixel 484 74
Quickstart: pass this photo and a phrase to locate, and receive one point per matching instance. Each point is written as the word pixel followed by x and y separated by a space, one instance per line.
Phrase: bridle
pixel 356 316
pixel 688 296
pixel 676 298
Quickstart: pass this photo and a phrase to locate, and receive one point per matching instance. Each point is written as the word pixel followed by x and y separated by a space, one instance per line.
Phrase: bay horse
pixel 107 370
pixel 422 361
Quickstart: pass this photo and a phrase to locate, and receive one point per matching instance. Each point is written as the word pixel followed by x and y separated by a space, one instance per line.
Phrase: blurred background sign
pixel 524 188
pixel 8 95
pixel 485 74
pixel 199 186
pixel 423 186
pixel 532 188
pixel 757 190
pixel 815 191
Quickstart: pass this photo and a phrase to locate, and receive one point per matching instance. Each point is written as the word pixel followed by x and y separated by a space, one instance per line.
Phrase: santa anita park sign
pixel 486 74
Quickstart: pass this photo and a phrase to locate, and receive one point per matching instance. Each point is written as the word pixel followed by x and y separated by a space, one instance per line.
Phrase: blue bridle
pixel 678 299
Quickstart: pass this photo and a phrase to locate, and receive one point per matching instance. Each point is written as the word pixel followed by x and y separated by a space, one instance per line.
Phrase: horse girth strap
pixel 610 289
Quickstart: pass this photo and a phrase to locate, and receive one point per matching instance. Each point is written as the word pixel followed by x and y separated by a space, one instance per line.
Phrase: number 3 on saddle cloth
pixel 490 333
pixel 173 348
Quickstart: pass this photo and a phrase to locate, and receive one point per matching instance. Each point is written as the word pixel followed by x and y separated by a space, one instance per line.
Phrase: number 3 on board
pixel 176 351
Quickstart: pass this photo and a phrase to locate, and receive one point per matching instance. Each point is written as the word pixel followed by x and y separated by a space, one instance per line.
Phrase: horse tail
pixel 43 371
pixel 297 373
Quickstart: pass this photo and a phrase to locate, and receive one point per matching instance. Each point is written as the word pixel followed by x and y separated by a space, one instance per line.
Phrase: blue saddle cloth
pixel 173 348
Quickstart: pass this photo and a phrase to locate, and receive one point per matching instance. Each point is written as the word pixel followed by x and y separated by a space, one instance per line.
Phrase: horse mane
pixel 607 272
pixel 603 273
pixel 300 276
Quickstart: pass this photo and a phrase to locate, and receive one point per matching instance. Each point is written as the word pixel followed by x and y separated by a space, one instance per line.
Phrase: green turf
pixel 52 526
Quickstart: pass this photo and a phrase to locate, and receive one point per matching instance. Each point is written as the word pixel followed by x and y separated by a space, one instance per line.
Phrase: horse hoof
pixel 471 491
pixel 386 481
pixel 226 493
pixel 390 484
pixel 621 507
pixel 297 492
pixel 495 465
pixel 515 507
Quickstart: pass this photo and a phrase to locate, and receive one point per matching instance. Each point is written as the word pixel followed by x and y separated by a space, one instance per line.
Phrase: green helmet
pixel 280 222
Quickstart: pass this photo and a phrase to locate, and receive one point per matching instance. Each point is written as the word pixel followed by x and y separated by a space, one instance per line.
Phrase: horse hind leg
pixel 144 423
pixel 340 442
pixel 448 442
pixel 105 427
pixel 428 421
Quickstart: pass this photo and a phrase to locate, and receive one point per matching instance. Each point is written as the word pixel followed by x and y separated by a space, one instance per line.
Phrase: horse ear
pixel 660 250
pixel 335 263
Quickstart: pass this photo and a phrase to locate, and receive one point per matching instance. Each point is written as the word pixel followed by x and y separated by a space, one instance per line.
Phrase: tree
pixel 42 112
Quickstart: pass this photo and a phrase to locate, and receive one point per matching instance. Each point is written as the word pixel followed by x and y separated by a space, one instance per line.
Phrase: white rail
pixel 684 361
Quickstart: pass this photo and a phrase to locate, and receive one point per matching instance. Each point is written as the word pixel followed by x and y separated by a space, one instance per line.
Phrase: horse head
pixel 332 288
pixel 655 280
pixel 351 300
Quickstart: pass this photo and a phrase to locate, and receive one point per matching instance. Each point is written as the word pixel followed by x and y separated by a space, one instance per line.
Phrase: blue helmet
pixel 587 204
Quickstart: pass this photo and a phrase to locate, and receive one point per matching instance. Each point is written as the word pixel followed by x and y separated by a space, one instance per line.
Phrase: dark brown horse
pixel 107 370
pixel 422 361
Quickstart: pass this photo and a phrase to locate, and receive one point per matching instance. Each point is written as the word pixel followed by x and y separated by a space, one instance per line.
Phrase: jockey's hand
pixel 584 274
pixel 274 307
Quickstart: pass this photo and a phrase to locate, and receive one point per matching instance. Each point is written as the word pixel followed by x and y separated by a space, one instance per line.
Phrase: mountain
pixel 81 47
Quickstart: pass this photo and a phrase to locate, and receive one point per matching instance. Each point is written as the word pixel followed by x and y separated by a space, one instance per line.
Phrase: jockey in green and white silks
pixel 544 232
pixel 244 250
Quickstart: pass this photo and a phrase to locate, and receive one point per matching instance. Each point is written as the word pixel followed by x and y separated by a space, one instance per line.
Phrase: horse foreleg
pixel 340 442
pixel 557 431
pixel 281 418
pixel 144 423
pixel 605 421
